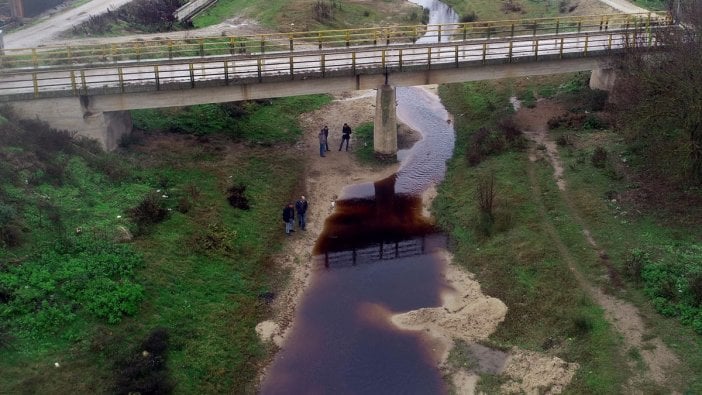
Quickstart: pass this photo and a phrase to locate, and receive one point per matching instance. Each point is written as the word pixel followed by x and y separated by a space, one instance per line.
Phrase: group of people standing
pixel 289 212
pixel 324 138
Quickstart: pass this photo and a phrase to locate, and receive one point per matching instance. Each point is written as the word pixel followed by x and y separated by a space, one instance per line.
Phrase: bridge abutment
pixel 385 122
pixel 76 115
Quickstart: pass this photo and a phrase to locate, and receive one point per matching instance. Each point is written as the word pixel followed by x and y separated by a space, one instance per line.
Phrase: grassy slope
pixel 207 298
pixel 279 14
pixel 524 262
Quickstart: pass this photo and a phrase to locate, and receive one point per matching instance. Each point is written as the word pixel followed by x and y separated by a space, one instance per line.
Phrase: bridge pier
pixel 76 114
pixel 603 79
pixel 385 122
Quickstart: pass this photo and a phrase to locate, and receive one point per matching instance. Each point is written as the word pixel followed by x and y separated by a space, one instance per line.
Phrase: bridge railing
pixel 221 71
pixel 239 46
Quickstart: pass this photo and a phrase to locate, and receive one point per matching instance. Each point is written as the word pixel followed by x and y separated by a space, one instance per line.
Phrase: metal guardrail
pixel 143 50
pixel 113 77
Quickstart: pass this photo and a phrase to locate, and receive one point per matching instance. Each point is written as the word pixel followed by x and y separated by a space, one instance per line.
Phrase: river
pixel 381 256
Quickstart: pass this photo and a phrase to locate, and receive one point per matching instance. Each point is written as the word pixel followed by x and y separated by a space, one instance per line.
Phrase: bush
pixel 144 370
pixel 599 157
pixel 236 197
pixel 635 263
pixel 469 17
pixel 51 289
pixel 149 212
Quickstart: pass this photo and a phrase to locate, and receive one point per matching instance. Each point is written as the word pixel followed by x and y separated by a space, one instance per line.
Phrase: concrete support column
pixel 76 115
pixel 603 79
pixel 385 123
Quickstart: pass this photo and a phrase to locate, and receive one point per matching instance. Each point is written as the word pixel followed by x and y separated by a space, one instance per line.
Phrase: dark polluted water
pixel 377 256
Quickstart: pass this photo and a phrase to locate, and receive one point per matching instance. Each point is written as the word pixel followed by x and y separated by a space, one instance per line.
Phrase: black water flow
pixel 375 257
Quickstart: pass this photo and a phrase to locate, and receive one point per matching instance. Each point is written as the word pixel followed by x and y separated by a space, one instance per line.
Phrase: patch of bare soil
pixel 623 316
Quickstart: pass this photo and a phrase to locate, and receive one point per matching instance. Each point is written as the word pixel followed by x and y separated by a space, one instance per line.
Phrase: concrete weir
pixel 385 122
pixel 76 114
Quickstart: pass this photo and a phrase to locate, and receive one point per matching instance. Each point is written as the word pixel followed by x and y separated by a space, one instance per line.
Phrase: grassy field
pixel 301 15
pixel 522 254
pixel 181 314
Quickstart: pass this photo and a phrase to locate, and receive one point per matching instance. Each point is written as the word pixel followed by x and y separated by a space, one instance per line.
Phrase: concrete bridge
pixel 91 88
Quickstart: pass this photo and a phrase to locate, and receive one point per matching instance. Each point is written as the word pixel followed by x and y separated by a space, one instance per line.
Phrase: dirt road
pixel 56 21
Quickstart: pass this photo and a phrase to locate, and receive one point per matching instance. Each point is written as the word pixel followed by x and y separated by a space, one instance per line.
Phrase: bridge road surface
pixel 145 76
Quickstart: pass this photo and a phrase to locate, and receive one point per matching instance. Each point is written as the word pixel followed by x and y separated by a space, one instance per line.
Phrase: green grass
pixel 254 122
pixel 653 5
pixel 203 269
pixel 299 15
pixel 519 262
pixel 490 10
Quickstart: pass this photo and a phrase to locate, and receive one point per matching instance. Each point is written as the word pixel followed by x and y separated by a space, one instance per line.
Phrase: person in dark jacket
pixel 345 136
pixel 301 209
pixel 325 129
pixel 289 218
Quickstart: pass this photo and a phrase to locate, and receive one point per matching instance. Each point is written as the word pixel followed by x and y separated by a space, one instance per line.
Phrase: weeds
pixel 149 211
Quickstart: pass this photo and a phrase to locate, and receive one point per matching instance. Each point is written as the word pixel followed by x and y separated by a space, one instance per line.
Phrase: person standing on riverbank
pixel 325 129
pixel 322 143
pixel 301 209
pixel 345 136
pixel 289 218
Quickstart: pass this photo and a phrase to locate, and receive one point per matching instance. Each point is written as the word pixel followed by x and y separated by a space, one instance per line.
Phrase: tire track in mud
pixel 622 315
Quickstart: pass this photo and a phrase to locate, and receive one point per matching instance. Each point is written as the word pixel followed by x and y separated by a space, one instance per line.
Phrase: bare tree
pixel 659 94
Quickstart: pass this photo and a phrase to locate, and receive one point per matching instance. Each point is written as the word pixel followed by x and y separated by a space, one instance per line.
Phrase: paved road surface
pixel 51 25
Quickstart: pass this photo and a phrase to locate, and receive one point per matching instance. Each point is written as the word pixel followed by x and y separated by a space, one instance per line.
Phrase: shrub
pixel 635 263
pixel 237 198
pixel 469 17
pixel 149 212
pixel 599 157
pixel 593 122
pixel 144 370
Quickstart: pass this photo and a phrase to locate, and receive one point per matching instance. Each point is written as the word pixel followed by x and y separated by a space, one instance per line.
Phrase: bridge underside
pixel 105 116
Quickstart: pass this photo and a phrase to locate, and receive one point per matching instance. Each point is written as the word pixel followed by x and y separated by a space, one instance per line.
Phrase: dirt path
pixel 623 316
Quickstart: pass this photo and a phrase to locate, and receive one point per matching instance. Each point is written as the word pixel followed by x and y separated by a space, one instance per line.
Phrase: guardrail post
pixel 375 38
pixel 170 49
pixel 511 43
pixel 353 62
pixel 120 74
pixel 536 50
pixel 138 51
pixel 429 58
pixel 455 53
pixel 35 60
pixel 400 59
pixel 290 38
pixel 156 78
pixel 484 52
pixel 348 38
pixel 382 58
pixel 322 60
pixel 112 52
pixel 83 82
pixel 439 32
pixel 263 44
pixel 489 31
pixel 609 42
pixel 73 83
pixel 558 25
pixel 601 23
pixel 35 82
pixel 319 39
pixel 465 31
pixel 561 50
pixel 580 25
pixel 191 68
pixel 259 69
pixel 69 55
pixel 414 34
pixel 226 72
pixel 648 29
pixel 606 23
pixel 292 68
pixel 511 31
pixel 387 37
pixel 587 41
